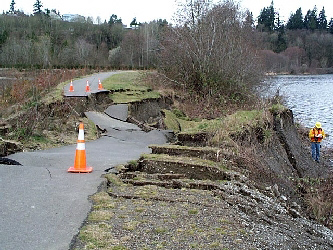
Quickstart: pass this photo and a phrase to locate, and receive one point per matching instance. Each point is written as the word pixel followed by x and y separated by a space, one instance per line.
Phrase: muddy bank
pixel 284 161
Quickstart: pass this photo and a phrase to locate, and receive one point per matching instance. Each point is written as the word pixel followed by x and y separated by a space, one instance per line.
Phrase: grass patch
pixel 133 96
pixel 102 201
pixel 220 129
pixel 175 121
pixel 214 245
pixel 277 108
pixel 147 191
pixel 101 198
pixel 128 87
pixel 221 231
pixel 100 215
pixel 160 230
pixel 193 212
pixel 97 236
pixel 112 178
pixel 225 221
pixel 140 209
pixel 128 80
pixel 237 121
pixel 171 121
pixel 181 147
pixel 119 248
pixel 39 139
pixel 131 225
pixel 55 94
pixel 91 130
pixel 234 122
pixel 183 160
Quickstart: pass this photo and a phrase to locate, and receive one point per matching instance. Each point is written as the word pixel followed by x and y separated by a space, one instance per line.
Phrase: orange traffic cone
pixel 80 165
pixel 71 87
pixel 100 87
pixel 87 87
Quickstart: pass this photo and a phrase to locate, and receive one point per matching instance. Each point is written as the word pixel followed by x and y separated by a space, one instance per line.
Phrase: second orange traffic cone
pixel 71 88
pixel 100 87
pixel 80 164
pixel 87 87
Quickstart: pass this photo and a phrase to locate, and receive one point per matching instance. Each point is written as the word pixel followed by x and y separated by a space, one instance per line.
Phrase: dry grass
pixel 35 109
pixel 319 197
pixel 161 219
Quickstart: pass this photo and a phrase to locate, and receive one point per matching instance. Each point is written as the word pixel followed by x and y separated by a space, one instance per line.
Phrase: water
pixel 310 99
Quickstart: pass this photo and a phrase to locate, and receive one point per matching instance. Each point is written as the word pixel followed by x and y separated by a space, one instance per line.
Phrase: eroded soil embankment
pixel 201 197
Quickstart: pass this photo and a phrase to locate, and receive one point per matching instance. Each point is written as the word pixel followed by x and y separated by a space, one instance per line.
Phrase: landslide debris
pixel 153 203
pixel 201 197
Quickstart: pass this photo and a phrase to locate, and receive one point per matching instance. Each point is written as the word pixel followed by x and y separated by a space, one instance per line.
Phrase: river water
pixel 310 97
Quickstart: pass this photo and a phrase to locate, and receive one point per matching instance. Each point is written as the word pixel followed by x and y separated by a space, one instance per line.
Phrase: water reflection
pixel 310 99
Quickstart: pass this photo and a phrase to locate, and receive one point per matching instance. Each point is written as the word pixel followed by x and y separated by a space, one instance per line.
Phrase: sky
pixel 149 10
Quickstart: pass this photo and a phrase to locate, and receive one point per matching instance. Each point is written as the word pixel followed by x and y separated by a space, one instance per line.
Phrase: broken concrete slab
pixel 119 111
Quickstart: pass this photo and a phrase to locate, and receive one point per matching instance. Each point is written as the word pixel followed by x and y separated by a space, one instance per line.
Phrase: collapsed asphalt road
pixel 42 206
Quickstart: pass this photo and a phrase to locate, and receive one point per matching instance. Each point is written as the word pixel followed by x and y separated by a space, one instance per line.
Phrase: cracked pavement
pixel 42 206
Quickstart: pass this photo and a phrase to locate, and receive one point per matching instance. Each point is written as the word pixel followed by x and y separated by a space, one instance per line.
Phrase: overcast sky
pixel 148 10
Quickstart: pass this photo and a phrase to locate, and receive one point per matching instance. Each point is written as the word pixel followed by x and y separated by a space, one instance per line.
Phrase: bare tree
pixel 43 50
pixel 17 52
pixel 274 62
pixel 297 58
pixel 84 52
pixel 131 48
pixel 209 52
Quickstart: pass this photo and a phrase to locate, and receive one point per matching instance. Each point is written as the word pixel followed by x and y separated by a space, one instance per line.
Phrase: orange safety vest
pixel 313 134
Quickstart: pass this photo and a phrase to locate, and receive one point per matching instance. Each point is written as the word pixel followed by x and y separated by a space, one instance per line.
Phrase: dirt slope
pixel 206 198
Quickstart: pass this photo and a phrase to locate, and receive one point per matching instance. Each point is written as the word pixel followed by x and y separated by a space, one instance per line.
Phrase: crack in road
pixel 49 173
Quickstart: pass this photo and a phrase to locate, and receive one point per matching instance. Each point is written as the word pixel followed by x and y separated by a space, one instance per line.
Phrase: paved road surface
pixel 80 84
pixel 42 206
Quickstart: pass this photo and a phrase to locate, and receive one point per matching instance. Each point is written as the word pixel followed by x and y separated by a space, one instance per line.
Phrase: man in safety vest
pixel 316 135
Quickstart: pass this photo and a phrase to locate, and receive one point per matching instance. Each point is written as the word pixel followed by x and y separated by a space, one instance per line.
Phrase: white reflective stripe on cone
pixel 81 146
pixel 81 135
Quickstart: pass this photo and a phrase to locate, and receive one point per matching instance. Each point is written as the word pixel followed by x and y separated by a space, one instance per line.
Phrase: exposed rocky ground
pixel 199 197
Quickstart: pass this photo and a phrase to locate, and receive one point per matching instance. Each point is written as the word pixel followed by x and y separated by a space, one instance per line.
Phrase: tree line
pixel 302 44
pixel 269 20
pixel 44 40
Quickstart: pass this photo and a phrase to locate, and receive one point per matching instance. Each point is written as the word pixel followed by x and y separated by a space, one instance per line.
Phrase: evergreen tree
pixel 281 43
pixel 330 26
pixel 307 19
pixel 310 19
pixel 114 20
pixel 3 37
pixel 296 20
pixel 278 24
pixel 47 12
pixel 134 22
pixel 38 7
pixel 266 19
pixel 162 23
pixel 12 7
pixel 322 21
